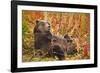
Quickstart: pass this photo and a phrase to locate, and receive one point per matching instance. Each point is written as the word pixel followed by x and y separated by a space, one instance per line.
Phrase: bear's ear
pixel 36 26
pixel 37 21
pixel 66 36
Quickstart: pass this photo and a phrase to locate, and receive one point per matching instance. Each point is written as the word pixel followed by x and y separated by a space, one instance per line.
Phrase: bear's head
pixel 42 26
pixel 42 34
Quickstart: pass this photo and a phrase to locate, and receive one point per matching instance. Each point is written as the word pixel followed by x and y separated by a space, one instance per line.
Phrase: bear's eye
pixel 42 24
pixel 54 40
pixel 69 40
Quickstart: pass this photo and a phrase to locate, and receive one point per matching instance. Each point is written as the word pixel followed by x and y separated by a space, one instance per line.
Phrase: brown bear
pixel 54 45
pixel 42 35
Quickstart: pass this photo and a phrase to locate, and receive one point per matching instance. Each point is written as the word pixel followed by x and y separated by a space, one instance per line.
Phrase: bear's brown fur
pixel 54 45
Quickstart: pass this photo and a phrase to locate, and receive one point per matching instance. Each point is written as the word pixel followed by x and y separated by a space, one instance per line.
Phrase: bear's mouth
pixel 48 29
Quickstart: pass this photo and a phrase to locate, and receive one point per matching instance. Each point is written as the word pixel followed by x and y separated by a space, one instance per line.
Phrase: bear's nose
pixel 48 27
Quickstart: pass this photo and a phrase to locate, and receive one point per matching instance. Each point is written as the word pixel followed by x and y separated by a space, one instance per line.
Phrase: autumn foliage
pixel 76 25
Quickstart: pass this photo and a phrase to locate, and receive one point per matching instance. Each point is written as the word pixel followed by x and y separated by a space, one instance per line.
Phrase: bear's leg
pixel 58 52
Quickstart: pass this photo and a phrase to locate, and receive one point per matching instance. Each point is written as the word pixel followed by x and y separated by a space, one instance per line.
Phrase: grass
pixel 31 58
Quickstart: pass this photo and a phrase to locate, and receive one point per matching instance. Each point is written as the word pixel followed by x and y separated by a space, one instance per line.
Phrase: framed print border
pixel 14 33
